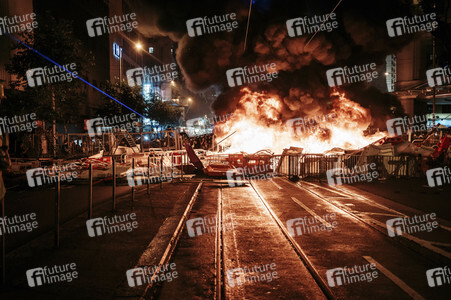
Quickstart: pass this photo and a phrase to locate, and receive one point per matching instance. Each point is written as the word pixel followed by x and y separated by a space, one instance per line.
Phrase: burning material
pixel 259 123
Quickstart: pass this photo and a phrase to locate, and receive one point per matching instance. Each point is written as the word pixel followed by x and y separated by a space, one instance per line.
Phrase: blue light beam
pixel 54 62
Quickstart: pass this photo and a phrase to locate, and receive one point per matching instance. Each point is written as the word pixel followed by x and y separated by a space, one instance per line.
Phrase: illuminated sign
pixel 117 51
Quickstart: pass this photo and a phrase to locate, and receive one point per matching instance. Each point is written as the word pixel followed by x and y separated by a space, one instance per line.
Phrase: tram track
pixel 151 287
pixel 297 248
pixel 408 241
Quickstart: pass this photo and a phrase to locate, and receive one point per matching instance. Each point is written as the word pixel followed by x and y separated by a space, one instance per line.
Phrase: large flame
pixel 257 124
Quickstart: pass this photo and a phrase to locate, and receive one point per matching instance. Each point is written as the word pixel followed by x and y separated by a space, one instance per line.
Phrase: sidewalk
pixel 101 261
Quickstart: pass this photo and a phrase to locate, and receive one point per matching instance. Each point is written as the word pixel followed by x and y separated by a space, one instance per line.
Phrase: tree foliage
pixel 163 112
pixel 54 39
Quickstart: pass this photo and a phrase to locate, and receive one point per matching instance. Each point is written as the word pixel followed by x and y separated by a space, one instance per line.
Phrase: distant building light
pixel 117 50
pixel 390 72
pixel 150 49
pixel 147 87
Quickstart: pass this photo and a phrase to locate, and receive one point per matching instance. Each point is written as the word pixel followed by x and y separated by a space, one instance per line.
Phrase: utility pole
pixel 54 136
pixel 433 66
pixel 120 65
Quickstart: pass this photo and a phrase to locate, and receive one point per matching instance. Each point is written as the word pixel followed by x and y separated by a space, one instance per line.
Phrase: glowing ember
pixel 258 124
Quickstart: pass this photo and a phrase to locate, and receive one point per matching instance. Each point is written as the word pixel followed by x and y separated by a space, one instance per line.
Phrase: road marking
pixel 421 242
pixel 278 186
pixel 396 280
pixel 371 202
pixel 424 243
pixel 11 187
pixel 380 214
pixel 327 224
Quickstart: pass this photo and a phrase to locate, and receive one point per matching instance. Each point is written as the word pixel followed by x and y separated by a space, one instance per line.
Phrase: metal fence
pixel 316 165
pixel 81 144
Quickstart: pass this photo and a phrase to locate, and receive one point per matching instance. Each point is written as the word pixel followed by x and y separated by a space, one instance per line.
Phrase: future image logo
pixel 312 224
pixel 347 275
pixel 26 122
pixel 54 74
pixel 40 176
pixel 107 25
pixel 209 25
pixel 411 225
pixel 438 176
pixel 98 126
pixel 18 23
pixel 145 275
pixel 206 225
pixel 251 74
pixel 408 25
pixel 400 126
pixel 438 276
pixel 48 275
pixel 94 126
pixel 251 275
pixel 310 25
pixel 340 176
pixel 14 224
pixel 108 225
pixel 307 125
pixel 155 74
pixel 135 77
pixel 439 76
pixel 352 74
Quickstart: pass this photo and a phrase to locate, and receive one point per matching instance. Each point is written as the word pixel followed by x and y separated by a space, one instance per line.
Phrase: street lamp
pixel 138 46
pixel 190 101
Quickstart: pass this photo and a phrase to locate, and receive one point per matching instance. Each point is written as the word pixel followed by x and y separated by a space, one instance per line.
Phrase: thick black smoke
pixel 361 37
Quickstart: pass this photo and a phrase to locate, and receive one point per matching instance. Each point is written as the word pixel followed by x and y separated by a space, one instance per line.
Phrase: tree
pixel 130 96
pixel 161 111
pixel 55 39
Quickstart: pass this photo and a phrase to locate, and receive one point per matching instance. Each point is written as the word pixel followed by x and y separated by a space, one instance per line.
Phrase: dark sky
pixel 361 37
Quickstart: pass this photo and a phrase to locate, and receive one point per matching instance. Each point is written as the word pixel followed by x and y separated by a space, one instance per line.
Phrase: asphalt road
pixel 342 228
pixel 352 235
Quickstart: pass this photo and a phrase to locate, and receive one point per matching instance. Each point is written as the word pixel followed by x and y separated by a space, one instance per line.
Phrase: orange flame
pixel 257 125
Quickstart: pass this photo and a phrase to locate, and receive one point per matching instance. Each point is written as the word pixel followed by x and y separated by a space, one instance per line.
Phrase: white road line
pixel 11 187
pixel 424 243
pixel 379 214
pixel 421 242
pixel 364 199
pixel 396 280
pixel 349 193
pixel 278 186
pixel 327 224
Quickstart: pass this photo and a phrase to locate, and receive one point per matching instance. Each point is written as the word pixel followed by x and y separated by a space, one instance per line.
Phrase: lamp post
pixel 138 47
pixel 120 65
pixel 190 101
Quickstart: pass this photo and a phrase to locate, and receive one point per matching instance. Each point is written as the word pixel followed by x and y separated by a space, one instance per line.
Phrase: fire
pixel 257 124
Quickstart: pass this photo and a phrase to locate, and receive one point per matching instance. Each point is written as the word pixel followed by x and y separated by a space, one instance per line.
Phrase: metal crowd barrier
pixel 316 165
